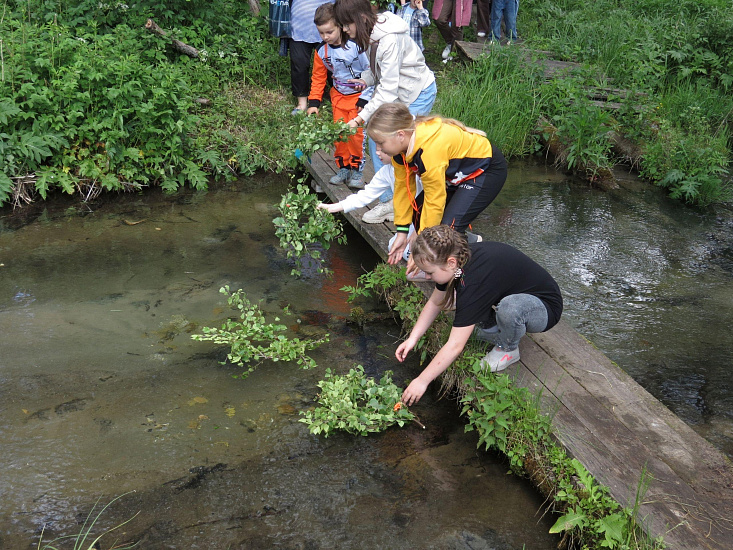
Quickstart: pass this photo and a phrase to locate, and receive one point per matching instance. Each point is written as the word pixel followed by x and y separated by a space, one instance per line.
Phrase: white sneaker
pixel 498 359
pixel 481 34
pixel 446 51
pixel 380 213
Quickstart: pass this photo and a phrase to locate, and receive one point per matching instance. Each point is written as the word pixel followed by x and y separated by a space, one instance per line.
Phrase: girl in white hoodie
pixel 397 70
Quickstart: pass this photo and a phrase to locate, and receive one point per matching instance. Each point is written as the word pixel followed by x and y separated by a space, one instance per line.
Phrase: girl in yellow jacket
pixel 461 171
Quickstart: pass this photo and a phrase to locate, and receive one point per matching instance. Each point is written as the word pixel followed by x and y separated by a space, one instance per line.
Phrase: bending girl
pixel 461 171
pixel 500 294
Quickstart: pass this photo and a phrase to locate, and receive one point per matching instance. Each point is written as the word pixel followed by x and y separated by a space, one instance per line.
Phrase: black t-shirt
pixel 495 271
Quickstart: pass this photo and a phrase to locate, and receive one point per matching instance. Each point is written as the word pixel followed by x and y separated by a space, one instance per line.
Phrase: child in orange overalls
pixel 340 62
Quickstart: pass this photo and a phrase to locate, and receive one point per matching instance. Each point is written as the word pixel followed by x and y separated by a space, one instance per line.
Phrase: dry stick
pixel 177 44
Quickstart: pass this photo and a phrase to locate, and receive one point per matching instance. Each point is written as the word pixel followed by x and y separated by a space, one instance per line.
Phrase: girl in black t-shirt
pixel 499 294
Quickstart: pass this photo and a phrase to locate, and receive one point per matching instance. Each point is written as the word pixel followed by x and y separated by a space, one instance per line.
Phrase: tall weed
pixel 497 94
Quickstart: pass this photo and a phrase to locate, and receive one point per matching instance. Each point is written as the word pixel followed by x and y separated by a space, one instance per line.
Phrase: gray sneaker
pixel 356 181
pixel 342 176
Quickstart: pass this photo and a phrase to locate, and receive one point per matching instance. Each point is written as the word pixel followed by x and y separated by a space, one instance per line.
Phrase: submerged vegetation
pixel 252 339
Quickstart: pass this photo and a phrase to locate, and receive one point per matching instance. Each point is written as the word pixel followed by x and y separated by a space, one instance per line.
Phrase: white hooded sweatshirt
pixel 400 72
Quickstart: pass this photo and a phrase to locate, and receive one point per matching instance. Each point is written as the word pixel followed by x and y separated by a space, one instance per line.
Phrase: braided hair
pixel 434 245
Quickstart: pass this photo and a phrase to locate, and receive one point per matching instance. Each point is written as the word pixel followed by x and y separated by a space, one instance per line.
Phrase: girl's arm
pixel 442 360
pixel 382 181
pixel 421 17
pixel 429 312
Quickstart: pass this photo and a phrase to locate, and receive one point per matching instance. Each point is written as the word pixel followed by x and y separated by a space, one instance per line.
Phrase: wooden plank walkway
pixel 614 427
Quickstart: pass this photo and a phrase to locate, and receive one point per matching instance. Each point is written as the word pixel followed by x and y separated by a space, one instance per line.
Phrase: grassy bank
pixel 90 101
pixel 675 59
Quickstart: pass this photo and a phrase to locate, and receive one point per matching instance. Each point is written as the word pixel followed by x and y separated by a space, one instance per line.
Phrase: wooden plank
pixel 674 508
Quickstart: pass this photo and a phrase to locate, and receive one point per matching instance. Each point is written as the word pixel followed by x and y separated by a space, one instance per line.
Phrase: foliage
pixel 304 229
pixel 688 158
pixel 582 126
pixel 251 338
pixel 357 404
pixel 499 95
pixel 661 48
pixel 84 536
pixel 93 102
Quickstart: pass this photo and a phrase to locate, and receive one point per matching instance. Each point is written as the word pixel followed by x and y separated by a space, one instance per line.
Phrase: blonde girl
pixel 461 171
pixel 500 294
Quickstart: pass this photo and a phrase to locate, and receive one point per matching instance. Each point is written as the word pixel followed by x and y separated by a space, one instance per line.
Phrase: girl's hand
pixel 353 124
pixel 312 111
pixel 398 248
pixel 332 208
pixel 414 392
pixel 403 349
pixel 360 85
pixel 412 268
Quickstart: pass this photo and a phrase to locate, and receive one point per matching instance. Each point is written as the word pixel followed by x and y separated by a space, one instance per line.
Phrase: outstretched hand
pixel 332 208
pixel 414 392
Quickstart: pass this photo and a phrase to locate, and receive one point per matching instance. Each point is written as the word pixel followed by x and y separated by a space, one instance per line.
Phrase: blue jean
pixel 508 9
pixel 421 106
pixel 516 315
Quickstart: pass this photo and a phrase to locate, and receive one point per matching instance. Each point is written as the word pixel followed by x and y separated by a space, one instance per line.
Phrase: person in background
pixel 417 17
pixel 483 19
pixel 506 9
pixel 304 38
pixel 499 295
pixel 397 69
pixel 342 62
pixel 450 17
pixel 462 172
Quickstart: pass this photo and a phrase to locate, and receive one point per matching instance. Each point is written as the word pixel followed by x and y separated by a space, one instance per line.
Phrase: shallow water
pixel 646 279
pixel 102 391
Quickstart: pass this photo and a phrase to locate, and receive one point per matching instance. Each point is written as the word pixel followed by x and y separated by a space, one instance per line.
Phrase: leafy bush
pixel 357 404
pixel 304 229
pixel 93 102
pixel 252 339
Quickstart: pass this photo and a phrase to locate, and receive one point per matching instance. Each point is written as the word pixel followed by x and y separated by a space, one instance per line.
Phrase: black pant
pixel 467 200
pixel 301 54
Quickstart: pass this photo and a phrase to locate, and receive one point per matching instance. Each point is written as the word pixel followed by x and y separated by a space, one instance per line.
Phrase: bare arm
pixel 442 360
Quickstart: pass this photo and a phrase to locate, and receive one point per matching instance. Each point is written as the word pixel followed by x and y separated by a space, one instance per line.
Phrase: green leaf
pixel 569 522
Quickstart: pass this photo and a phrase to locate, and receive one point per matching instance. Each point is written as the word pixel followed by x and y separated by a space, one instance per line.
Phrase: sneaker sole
pixel 380 220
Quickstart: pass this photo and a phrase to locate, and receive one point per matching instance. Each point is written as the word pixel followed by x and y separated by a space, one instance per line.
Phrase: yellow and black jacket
pixel 441 154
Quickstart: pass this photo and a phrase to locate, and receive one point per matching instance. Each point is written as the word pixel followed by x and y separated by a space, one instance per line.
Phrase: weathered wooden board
pixel 551 67
pixel 614 427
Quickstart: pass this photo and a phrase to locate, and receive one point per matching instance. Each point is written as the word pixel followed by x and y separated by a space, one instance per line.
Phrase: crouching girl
pixel 499 294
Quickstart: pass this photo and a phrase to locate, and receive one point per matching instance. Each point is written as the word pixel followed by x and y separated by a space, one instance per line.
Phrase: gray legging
pixel 516 315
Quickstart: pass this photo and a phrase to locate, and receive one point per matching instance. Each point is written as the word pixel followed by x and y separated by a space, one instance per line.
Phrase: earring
pixel 458 274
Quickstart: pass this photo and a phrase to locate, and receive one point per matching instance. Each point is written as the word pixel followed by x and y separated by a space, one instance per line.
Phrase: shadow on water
pixel 102 391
